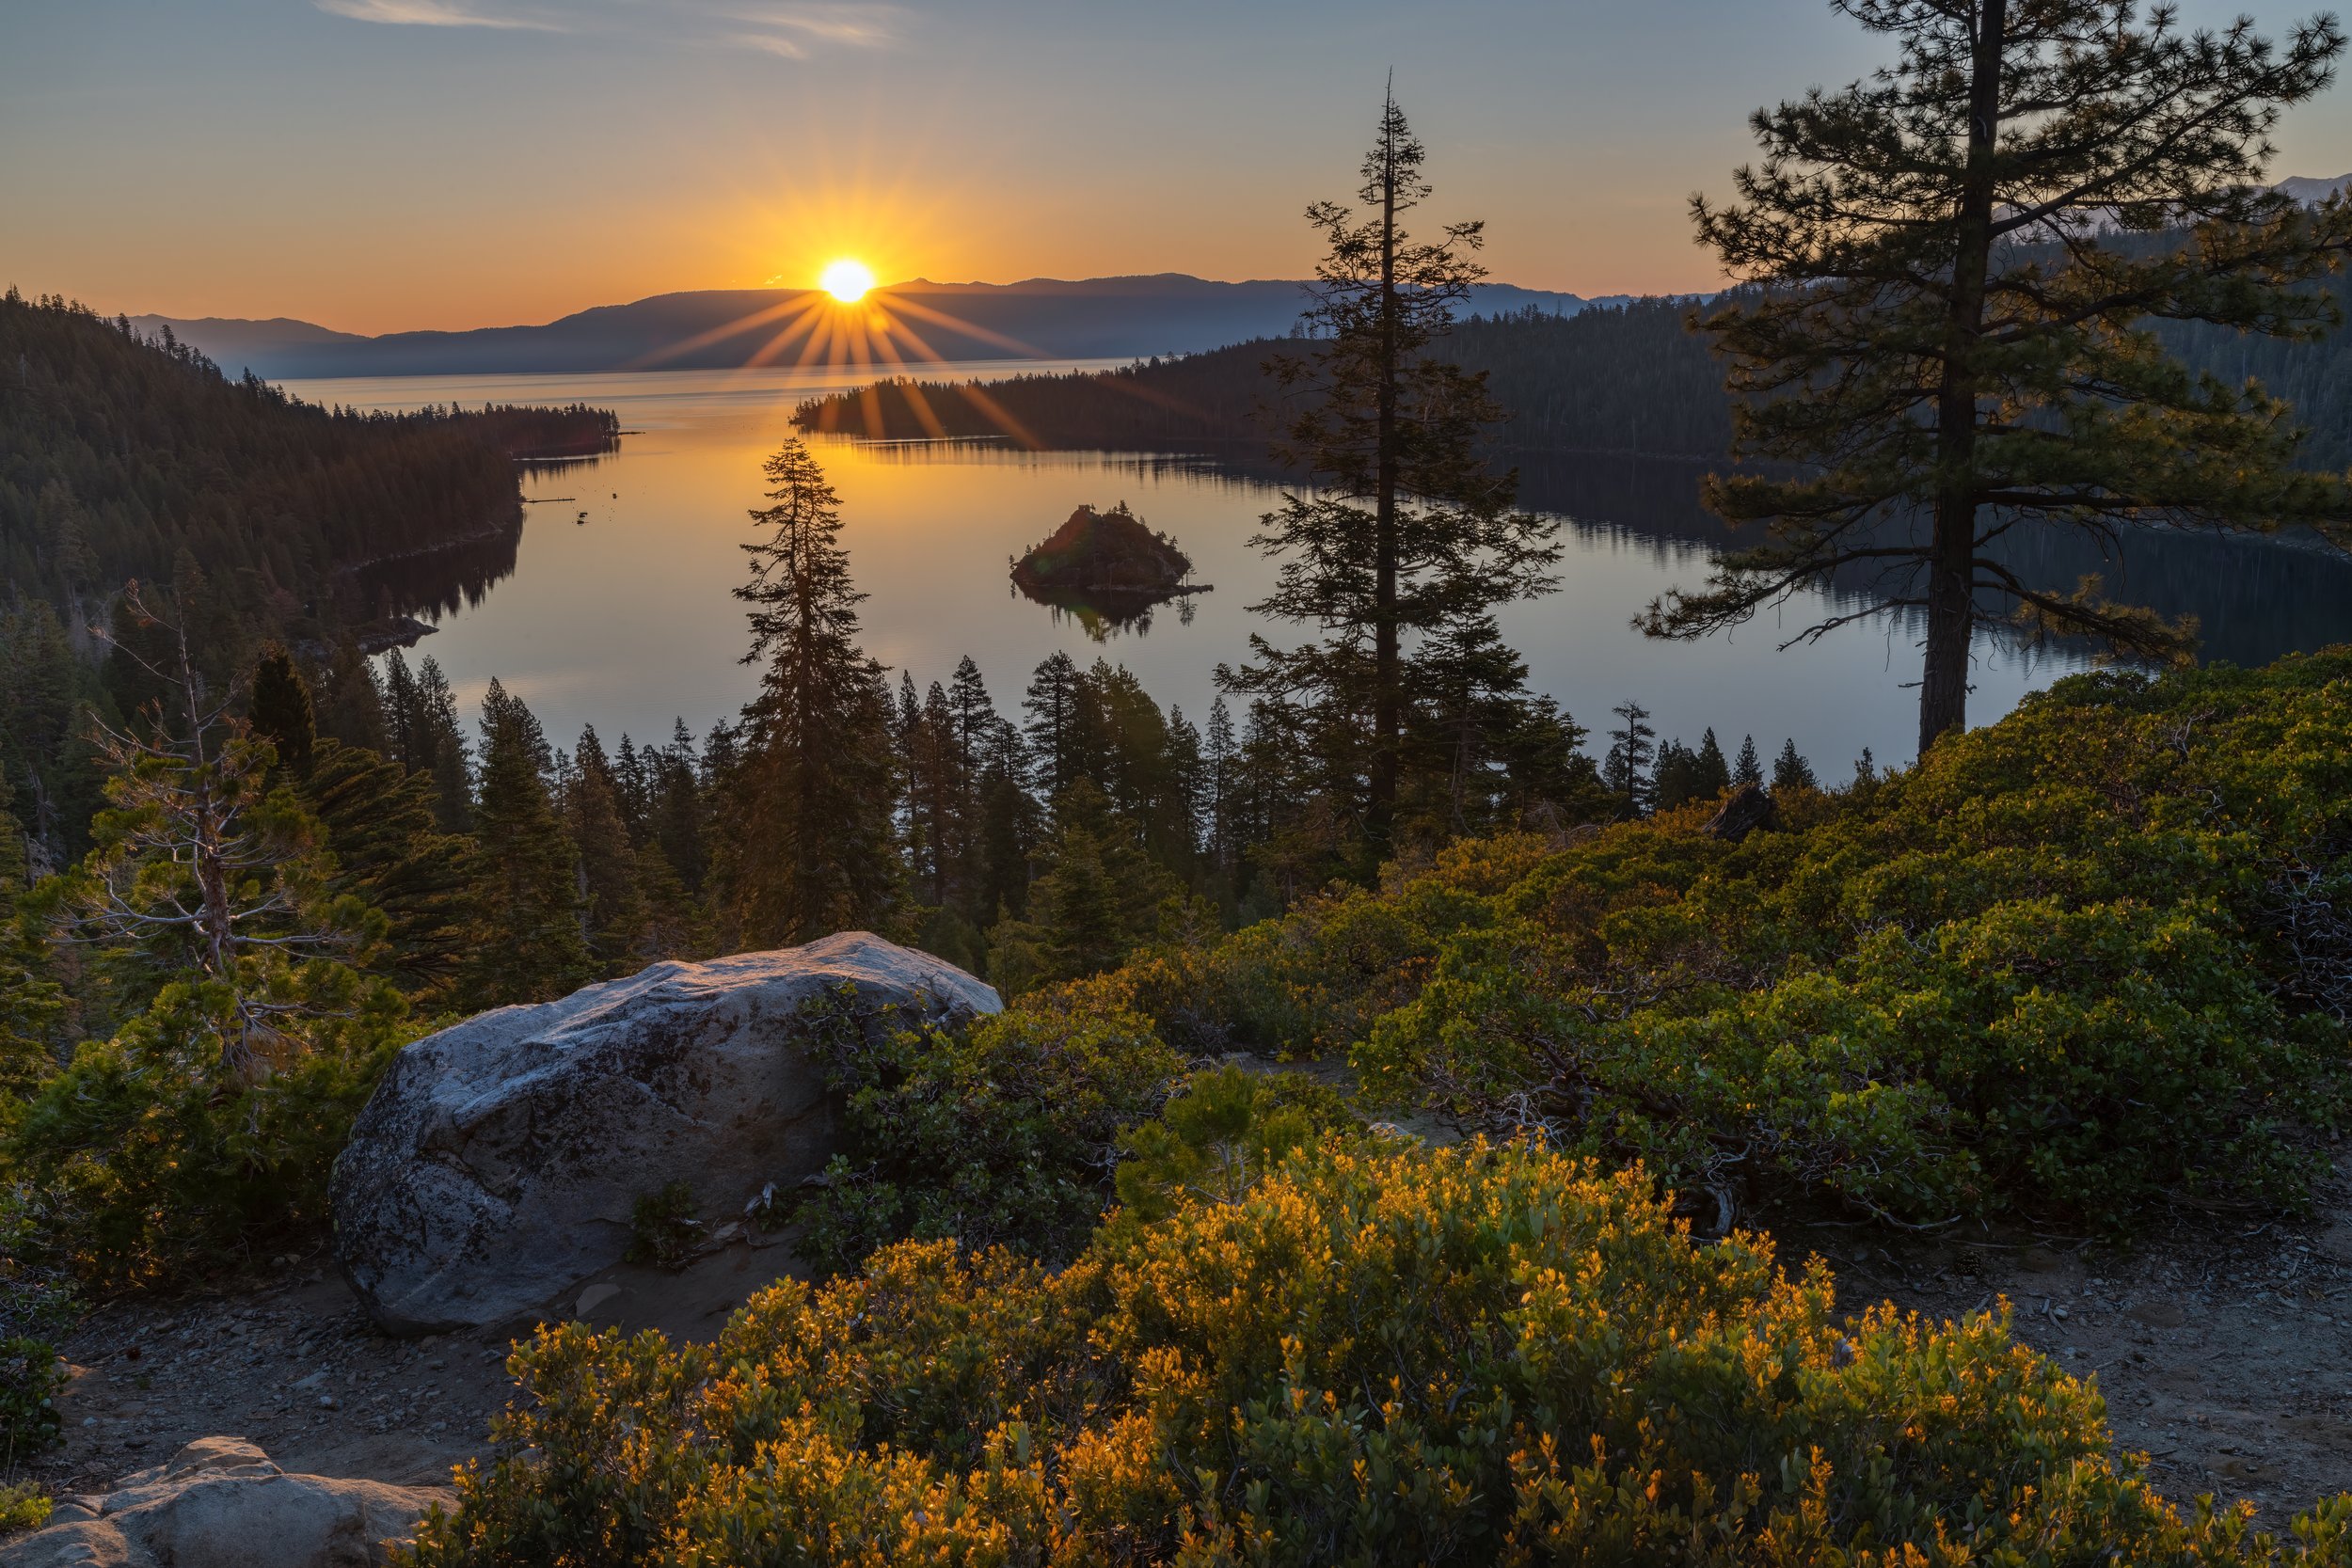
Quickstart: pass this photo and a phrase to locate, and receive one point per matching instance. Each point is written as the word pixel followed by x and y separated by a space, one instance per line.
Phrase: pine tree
pixel 1053 733
pixel 633 781
pixel 976 715
pixel 1007 829
pixel 1964 263
pixel 1407 537
pixel 675 823
pixel 31 1002
pixel 1098 898
pixel 350 703
pixel 1220 763
pixel 1792 771
pixel 1627 770
pixel 279 710
pixel 421 719
pixel 1749 768
pixel 390 853
pixel 206 872
pixel 45 749
pixel 530 947
pixel 816 852
pixel 1711 776
pixel 615 919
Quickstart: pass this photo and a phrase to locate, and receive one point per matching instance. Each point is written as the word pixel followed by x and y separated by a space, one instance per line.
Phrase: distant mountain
pixel 2307 190
pixel 722 328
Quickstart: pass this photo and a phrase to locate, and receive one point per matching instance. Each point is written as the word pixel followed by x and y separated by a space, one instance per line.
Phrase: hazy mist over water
pixel 626 620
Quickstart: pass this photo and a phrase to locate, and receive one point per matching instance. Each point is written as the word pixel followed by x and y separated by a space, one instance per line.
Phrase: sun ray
pixel 774 349
pixel 919 404
pixel 940 318
pixel 802 301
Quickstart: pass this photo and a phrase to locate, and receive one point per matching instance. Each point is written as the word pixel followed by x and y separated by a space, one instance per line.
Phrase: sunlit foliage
pixel 1478 1356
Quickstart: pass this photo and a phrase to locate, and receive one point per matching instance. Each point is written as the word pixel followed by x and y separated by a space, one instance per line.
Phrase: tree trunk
pixel 1951 570
pixel 1388 696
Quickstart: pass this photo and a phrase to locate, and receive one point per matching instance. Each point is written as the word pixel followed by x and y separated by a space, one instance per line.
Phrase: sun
pixel 847 280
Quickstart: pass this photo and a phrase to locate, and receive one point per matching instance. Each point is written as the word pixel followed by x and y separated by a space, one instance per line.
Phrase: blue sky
pixel 383 164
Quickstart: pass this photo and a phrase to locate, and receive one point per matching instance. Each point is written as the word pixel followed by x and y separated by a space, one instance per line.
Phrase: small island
pixel 1106 552
pixel 1108 568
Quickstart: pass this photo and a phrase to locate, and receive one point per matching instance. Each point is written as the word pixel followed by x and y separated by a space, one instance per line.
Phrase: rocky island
pixel 1109 568
pixel 1106 552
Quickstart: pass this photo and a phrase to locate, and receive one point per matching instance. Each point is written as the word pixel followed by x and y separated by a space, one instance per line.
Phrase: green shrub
pixel 662 1230
pixel 2084 961
pixel 149 1161
pixel 1474 1356
pixel 1002 1130
pixel 31 1377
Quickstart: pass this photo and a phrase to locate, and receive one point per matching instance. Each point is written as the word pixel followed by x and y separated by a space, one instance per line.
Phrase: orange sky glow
pixel 384 165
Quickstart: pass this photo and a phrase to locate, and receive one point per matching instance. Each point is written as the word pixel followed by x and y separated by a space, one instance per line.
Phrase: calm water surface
pixel 617 609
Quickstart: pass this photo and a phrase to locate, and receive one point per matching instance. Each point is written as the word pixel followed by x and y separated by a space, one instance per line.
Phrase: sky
pixel 381 165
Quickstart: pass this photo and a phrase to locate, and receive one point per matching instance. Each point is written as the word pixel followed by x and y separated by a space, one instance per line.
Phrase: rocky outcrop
pixel 498 1162
pixel 1744 811
pixel 220 1503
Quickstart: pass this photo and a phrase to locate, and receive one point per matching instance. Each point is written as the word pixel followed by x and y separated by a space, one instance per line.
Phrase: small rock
pixel 595 1296
pixel 220 1503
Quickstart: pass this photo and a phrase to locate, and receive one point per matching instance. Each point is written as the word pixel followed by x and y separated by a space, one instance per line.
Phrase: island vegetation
pixel 1104 552
pixel 1107 568
pixel 1474 1268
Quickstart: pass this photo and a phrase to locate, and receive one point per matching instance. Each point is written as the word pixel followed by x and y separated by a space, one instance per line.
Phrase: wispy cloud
pixel 770 43
pixel 429 13
pixel 856 26
pixel 786 30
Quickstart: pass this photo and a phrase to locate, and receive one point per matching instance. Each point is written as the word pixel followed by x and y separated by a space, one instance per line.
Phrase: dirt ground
pixel 2224 1354
pixel 298 1368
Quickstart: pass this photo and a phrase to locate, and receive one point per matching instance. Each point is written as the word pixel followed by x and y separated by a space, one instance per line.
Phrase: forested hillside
pixel 1629 379
pixel 126 458
pixel 118 453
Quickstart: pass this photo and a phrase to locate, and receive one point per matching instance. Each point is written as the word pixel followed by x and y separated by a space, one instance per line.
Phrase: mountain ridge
pixel 1039 318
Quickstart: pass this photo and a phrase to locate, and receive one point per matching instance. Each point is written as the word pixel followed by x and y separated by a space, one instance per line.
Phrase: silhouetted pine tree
pixel 390 850
pixel 280 711
pixel 1792 771
pixel 528 901
pixel 1749 767
pixel 816 851
pixel 1966 260
pixel 614 917
pixel 1627 771
pixel 349 703
pixel 1098 898
pixel 420 716
pixel 1710 775
pixel 1407 537
pixel 1052 732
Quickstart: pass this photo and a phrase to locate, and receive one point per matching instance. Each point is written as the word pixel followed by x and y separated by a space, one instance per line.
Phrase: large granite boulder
pixel 499 1160
pixel 220 1503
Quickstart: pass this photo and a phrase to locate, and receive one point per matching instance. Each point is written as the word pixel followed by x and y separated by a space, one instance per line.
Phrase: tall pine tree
pixel 529 946
pixel 816 852
pixel 1962 263
pixel 1408 538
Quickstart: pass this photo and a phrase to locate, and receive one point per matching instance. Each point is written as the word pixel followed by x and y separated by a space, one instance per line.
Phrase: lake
pixel 615 610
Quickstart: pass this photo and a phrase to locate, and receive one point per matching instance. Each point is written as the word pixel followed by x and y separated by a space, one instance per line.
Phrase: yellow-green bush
pixel 2087 959
pixel 1375 1356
